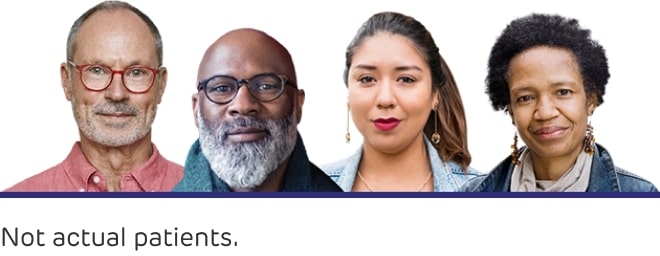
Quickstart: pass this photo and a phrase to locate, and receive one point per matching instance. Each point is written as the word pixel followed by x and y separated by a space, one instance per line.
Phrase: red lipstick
pixel 386 124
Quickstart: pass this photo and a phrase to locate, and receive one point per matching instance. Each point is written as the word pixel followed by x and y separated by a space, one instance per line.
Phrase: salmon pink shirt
pixel 75 173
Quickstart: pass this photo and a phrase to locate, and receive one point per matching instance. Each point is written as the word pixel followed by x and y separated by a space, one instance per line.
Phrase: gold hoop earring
pixel 348 113
pixel 435 137
pixel 514 150
pixel 589 139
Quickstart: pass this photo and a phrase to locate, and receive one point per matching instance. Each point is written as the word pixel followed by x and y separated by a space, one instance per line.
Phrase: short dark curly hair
pixel 545 30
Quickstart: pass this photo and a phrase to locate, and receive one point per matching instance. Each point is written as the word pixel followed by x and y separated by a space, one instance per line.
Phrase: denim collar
pixel 444 173
pixel 603 175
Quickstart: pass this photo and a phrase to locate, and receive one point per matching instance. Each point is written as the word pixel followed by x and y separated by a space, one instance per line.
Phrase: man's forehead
pixel 114 27
pixel 246 53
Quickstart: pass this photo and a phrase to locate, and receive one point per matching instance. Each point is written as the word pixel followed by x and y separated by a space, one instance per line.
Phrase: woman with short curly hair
pixel 549 75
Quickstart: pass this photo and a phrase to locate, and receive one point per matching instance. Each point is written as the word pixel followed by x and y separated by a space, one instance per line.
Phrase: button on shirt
pixel 75 173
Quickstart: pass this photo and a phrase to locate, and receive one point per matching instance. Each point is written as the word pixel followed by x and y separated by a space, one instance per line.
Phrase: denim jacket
pixel 447 176
pixel 605 177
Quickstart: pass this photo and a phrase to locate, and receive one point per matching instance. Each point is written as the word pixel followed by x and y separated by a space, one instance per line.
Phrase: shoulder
pixel 338 168
pixel 173 168
pixel 179 187
pixel 472 185
pixel 168 165
pixel 334 169
pixel 54 178
pixel 450 169
pixel 42 181
pixel 630 182
pixel 627 181
pixel 322 182
pixel 497 180
pixel 458 175
pixel 456 169
pixel 172 174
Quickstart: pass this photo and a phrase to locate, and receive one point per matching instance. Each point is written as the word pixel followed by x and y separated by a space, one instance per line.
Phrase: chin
pixel 386 146
pixel 552 151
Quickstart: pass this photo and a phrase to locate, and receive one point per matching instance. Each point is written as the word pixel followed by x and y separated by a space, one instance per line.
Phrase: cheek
pixel 577 111
pixel 360 104
pixel 275 110
pixel 281 108
pixel 146 101
pixel 521 117
pixel 580 117
pixel 209 110
pixel 84 97
pixel 415 101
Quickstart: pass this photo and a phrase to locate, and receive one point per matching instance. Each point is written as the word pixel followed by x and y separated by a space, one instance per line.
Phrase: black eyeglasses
pixel 95 77
pixel 222 89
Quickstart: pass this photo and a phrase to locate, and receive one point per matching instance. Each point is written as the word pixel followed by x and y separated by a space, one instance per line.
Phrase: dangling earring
pixel 435 137
pixel 514 152
pixel 348 112
pixel 589 139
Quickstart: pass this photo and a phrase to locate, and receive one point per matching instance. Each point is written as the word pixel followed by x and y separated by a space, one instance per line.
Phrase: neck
pixel 552 168
pixel 400 171
pixel 115 162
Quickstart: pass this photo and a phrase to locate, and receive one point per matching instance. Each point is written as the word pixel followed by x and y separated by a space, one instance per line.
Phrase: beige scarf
pixel 576 179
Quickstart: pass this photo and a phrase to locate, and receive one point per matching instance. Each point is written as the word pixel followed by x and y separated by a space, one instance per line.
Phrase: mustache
pixel 111 107
pixel 242 122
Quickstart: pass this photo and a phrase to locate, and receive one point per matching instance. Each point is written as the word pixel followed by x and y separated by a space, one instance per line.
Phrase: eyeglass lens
pixel 136 79
pixel 223 89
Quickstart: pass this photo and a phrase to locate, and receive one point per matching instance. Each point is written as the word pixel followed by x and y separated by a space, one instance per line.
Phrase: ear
pixel 64 76
pixel 163 83
pixel 436 98
pixel 299 104
pixel 509 112
pixel 592 102
pixel 195 107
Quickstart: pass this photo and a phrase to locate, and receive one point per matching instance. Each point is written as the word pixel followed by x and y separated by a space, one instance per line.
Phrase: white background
pixel 350 226
pixel 38 128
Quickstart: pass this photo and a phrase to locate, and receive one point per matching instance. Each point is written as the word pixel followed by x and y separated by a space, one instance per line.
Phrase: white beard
pixel 246 165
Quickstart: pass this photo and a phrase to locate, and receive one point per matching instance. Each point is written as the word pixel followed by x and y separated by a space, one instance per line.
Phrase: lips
pixel 549 132
pixel 245 134
pixel 115 114
pixel 386 124
pixel 244 130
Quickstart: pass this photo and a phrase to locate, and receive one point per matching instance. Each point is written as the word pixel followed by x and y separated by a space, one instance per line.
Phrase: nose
pixel 116 90
pixel 385 97
pixel 243 104
pixel 546 109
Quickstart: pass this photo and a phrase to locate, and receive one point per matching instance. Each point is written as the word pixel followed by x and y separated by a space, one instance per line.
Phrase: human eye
pixel 406 79
pixel 564 92
pixel 137 72
pixel 366 80
pixel 220 89
pixel 524 99
pixel 268 87
pixel 265 84
pixel 96 70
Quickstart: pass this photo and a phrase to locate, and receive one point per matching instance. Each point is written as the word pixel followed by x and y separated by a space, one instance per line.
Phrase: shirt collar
pixel 81 172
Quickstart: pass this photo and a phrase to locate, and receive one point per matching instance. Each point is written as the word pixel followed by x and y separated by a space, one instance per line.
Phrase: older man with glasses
pixel 247 109
pixel 114 79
